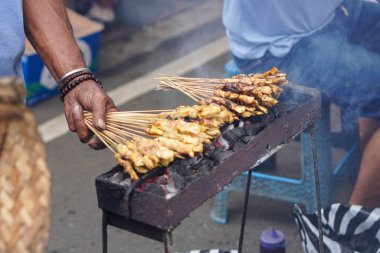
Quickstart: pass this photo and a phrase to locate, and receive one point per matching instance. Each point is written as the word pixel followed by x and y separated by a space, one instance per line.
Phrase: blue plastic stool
pixel 300 191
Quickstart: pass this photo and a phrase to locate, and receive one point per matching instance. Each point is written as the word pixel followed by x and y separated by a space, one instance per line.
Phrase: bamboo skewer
pixel 101 136
pixel 122 126
pixel 125 127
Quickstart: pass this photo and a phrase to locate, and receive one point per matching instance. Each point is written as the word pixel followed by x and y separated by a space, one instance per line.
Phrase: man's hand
pixel 90 97
pixel 49 30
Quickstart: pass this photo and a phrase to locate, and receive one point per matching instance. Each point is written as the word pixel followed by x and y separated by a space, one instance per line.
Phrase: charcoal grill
pixel 155 216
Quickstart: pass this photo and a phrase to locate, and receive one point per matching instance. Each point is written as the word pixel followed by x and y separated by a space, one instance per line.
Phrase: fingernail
pixel 101 124
pixel 76 108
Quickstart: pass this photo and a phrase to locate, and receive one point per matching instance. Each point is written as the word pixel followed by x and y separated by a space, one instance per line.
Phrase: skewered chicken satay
pixel 129 153
pixel 172 132
pixel 270 90
pixel 272 72
pixel 228 104
pixel 260 95
pixel 139 162
pixel 210 111
pixel 247 114
pixel 272 76
pixel 180 125
pixel 241 110
pixel 227 116
pixel 144 155
pixel 268 101
pixel 157 153
pixel 193 112
pixel 180 113
pixel 239 88
pixel 174 135
pixel 211 116
pixel 212 123
pixel 249 90
pixel 247 100
pixel 216 111
pixel 127 167
pixel 180 147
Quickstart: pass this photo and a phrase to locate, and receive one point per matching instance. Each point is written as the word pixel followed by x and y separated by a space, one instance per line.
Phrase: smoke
pixel 342 66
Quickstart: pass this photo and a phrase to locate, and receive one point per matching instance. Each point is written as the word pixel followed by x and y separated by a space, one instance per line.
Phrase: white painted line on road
pixel 56 127
pixel 150 38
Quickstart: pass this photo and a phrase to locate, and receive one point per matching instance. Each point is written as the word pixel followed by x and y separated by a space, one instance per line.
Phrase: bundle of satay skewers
pixel 144 140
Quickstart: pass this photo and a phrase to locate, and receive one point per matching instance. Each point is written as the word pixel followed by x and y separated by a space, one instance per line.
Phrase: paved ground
pixel 124 57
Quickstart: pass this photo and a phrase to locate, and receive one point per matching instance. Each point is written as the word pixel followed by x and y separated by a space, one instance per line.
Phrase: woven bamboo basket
pixel 24 176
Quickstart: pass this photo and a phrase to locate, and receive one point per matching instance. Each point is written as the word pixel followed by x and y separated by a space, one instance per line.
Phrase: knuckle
pixel 83 136
pixel 71 128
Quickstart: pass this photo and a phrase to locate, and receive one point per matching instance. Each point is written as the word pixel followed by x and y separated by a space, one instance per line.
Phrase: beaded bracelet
pixel 71 77
pixel 65 90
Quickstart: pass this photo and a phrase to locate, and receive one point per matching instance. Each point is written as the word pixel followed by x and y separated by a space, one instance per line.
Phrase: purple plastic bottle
pixel 272 241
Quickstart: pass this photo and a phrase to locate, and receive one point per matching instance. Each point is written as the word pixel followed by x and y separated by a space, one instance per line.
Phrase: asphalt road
pixel 130 52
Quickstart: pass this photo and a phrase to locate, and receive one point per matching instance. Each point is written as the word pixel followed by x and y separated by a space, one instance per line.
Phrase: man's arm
pixel 49 30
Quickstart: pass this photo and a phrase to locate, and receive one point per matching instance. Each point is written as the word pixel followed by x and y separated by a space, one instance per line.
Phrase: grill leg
pixel 168 241
pixel 317 188
pixel 104 232
pixel 246 198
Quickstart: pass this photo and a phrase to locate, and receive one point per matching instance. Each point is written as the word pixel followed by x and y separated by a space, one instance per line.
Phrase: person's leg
pixel 367 188
pixel 367 127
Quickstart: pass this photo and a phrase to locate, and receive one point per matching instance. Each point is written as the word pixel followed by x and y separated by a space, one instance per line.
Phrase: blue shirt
pixel 11 37
pixel 257 26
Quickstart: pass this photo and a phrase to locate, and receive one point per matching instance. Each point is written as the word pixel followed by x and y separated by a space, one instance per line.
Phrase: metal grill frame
pixel 155 217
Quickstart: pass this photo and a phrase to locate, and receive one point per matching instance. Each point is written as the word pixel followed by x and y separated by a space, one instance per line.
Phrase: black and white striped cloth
pixel 346 229
pixel 211 251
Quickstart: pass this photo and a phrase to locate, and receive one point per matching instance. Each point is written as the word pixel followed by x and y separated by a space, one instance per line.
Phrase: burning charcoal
pixel 183 171
pixel 176 183
pixel 155 189
pixel 247 139
pixel 126 182
pixel 272 116
pixel 216 152
pixel 117 177
pixel 205 163
pixel 238 145
pixel 162 180
pixel 189 162
pixel 201 170
pixel 182 167
pixel 204 169
pixel 228 139
pixel 252 129
pixel 222 143
pixel 278 113
pixel 223 156
pixel 230 136
pixel 287 106
pixel 189 179
pixel 208 149
pixel 238 131
pixel 267 118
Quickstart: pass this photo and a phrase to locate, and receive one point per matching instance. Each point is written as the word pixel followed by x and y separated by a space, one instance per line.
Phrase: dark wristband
pixel 70 86
pixel 71 77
